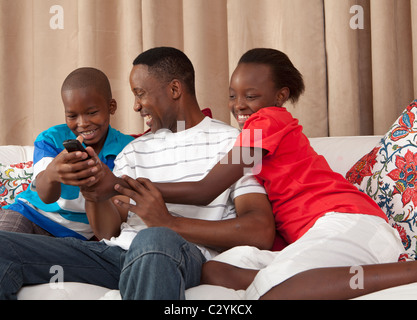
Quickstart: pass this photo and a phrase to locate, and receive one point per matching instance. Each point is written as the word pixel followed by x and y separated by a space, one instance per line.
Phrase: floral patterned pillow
pixel 14 178
pixel 388 174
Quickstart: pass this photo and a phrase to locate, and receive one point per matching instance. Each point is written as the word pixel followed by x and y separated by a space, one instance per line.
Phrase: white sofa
pixel 341 153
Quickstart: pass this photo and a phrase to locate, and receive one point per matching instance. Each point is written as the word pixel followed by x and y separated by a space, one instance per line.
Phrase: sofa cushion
pixel 388 174
pixel 14 178
pixel 65 291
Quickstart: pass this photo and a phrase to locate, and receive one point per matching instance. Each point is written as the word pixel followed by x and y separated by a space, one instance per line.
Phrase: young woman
pixel 328 223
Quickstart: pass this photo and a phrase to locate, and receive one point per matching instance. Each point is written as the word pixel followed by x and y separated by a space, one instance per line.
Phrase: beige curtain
pixel 358 57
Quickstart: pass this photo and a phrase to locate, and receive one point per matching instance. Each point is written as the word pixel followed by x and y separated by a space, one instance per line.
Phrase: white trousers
pixel 335 240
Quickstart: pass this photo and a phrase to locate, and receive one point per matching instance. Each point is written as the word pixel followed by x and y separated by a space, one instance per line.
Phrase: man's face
pixel 153 99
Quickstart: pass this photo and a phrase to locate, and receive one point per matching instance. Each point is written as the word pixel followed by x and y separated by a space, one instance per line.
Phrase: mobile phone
pixel 74 145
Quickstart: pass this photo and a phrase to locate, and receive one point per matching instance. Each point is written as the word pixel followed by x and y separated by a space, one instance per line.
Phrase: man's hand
pixel 150 206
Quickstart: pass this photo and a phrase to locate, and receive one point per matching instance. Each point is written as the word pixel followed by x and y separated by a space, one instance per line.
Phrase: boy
pixel 53 205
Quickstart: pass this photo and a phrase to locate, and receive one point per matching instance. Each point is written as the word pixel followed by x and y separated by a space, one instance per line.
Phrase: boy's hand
pixel 78 155
pixel 72 168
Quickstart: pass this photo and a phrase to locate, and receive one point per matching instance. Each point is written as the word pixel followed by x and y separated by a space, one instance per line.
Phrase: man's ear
pixel 175 88
pixel 112 106
pixel 282 96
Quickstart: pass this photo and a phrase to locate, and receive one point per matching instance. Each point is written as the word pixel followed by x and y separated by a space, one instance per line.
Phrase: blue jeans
pixel 159 265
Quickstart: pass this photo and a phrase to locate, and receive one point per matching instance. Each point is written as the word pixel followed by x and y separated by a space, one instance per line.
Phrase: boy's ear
pixel 282 96
pixel 175 88
pixel 112 106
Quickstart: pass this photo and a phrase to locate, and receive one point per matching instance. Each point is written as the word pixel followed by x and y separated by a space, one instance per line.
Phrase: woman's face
pixel 252 88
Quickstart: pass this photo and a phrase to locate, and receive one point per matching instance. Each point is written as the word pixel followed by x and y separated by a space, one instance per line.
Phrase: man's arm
pixel 253 226
pixel 105 218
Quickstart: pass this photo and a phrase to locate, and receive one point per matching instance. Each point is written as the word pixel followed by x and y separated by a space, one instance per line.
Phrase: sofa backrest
pixel 340 152
pixel 343 152
pixel 15 154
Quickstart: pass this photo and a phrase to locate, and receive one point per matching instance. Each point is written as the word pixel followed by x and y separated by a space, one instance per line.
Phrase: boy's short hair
pixel 283 71
pixel 167 64
pixel 86 77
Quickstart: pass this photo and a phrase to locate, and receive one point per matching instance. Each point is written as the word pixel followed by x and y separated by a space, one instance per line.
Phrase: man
pixel 149 249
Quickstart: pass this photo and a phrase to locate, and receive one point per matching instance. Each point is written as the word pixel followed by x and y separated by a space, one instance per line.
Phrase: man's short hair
pixel 168 64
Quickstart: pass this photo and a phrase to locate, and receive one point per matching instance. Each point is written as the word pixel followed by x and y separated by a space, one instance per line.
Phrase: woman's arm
pixel 254 224
pixel 225 173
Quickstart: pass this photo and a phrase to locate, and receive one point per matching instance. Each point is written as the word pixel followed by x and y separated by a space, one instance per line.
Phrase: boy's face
pixel 152 99
pixel 87 113
pixel 251 88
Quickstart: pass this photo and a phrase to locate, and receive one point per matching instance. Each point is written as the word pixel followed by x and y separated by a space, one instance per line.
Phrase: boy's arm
pixel 66 168
pixel 49 191
pixel 254 224
pixel 224 174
